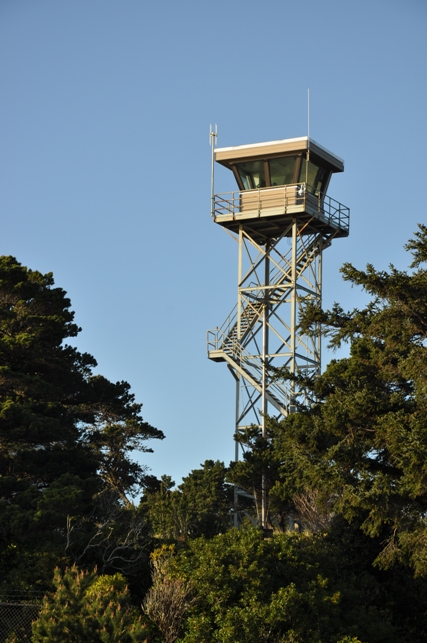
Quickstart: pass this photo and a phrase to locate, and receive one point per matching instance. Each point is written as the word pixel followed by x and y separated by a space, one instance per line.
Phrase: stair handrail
pixel 282 262
pixel 217 341
pixel 230 323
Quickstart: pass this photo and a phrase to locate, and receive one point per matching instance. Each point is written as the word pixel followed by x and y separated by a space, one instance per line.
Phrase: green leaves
pixel 199 506
pixel 249 590
pixel 66 436
pixel 359 447
pixel 363 445
pixel 88 609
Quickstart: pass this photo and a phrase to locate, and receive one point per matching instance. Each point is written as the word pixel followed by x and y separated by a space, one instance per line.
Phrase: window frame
pixel 301 158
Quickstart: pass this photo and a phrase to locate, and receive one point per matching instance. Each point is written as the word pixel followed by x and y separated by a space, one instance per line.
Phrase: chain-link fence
pixel 17 612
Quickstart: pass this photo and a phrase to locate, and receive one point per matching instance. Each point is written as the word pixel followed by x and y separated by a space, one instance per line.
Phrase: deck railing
pixel 284 199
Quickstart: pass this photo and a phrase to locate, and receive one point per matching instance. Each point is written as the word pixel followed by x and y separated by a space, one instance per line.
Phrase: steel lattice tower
pixel 282 220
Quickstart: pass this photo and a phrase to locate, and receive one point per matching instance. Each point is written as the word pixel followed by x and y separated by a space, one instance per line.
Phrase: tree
pixel 114 536
pixel 199 506
pixel 169 597
pixel 65 433
pixel 362 442
pixel 351 461
pixel 258 470
pixel 88 609
pixel 288 588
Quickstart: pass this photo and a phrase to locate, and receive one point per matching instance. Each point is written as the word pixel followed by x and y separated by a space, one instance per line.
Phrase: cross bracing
pixel 276 278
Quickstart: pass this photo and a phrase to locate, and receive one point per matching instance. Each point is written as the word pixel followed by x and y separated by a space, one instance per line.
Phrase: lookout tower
pixel 283 219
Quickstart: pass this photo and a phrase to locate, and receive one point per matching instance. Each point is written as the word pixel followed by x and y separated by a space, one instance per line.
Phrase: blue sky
pixel 105 164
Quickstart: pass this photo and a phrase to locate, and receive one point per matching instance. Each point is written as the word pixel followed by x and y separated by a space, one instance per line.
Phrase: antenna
pixel 213 134
pixel 308 113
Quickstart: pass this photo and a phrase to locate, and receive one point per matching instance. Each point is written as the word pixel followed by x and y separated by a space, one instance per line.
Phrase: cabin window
pixel 316 177
pixel 282 170
pixel 252 174
pixel 308 175
pixel 322 180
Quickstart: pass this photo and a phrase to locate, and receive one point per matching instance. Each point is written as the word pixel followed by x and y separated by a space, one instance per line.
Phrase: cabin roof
pixel 228 156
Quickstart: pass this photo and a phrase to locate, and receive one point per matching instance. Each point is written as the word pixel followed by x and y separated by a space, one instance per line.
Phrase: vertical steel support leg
pixel 236 452
pixel 319 293
pixel 293 314
pixel 265 345
pixel 238 376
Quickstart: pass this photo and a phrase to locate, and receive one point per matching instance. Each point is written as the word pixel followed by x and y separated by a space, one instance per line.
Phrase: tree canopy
pixel 200 506
pixel 346 476
pixel 249 589
pixel 357 446
pixel 66 434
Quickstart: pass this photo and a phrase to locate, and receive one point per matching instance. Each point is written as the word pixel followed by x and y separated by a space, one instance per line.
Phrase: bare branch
pixel 167 600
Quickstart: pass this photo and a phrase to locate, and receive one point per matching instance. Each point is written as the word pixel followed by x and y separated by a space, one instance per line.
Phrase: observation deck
pixel 268 212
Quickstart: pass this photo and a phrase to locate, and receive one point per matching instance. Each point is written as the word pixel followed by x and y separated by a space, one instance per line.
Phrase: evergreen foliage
pixel 287 588
pixel 88 609
pixel 349 468
pixel 65 433
pixel 199 506
pixel 364 443
pixel 358 444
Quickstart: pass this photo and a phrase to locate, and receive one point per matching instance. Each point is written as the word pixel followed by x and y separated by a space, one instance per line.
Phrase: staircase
pixel 224 345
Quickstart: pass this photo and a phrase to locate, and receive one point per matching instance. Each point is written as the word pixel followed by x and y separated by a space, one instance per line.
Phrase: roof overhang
pixel 229 156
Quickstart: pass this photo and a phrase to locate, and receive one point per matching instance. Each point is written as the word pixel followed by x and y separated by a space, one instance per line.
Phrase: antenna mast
pixel 307 158
pixel 213 134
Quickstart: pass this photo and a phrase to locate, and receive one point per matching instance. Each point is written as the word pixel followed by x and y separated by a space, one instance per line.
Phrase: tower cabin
pixel 279 182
